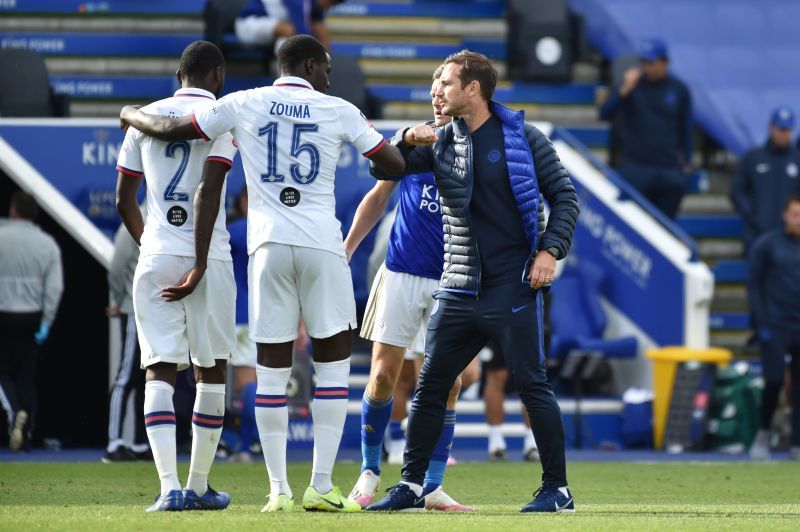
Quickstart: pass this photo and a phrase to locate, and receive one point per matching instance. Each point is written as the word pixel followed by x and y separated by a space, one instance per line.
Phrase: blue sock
pixel 434 476
pixel 248 431
pixel 396 430
pixel 375 416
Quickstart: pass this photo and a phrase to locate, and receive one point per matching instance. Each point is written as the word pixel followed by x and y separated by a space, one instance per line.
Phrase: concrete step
pixel 729 297
pixel 719 248
pixel 107 66
pixel 707 204
pixel 102 24
pixel 416 26
pixel 733 340
pixel 565 114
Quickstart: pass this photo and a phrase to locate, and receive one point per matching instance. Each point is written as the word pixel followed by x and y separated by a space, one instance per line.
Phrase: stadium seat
pixel 578 321
pixel 25 88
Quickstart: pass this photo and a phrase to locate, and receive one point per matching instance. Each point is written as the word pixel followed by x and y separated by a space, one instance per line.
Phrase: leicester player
pixel 400 303
pixel 291 135
pixel 201 326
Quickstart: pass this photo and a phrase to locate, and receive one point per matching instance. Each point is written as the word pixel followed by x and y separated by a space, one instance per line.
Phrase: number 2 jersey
pixel 172 171
pixel 290 137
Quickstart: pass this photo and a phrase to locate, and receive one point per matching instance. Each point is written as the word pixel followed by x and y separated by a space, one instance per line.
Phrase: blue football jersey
pixel 416 244
pixel 238 240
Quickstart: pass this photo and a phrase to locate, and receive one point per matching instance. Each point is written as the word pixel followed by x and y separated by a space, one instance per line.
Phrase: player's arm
pixel 206 208
pixel 160 127
pixel 129 176
pixel 128 207
pixel 414 145
pixel 369 211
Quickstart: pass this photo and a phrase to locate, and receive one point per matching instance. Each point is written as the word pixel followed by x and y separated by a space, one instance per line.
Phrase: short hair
pixel 296 50
pixel 475 67
pixel 200 58
pixel 438 72
pixel 25 205
pixel 793 198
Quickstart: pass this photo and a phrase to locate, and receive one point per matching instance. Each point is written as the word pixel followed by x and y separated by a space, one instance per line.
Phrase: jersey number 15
pixel 272 175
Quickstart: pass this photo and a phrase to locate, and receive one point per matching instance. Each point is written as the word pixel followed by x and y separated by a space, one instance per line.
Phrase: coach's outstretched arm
pixel 206 208
pixel 160 127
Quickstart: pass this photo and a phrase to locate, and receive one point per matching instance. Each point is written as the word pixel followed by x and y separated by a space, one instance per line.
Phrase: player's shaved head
pixel 198 60
pixel 304 56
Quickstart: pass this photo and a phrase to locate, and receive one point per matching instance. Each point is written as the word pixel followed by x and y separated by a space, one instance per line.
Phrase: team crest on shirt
pixel 494 156
pixel 792 170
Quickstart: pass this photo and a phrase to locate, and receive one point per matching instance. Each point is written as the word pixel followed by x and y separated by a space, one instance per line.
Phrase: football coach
pixel 492 171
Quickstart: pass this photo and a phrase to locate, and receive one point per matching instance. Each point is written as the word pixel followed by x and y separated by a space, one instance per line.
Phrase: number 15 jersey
pixel 173 171
pixel 290 138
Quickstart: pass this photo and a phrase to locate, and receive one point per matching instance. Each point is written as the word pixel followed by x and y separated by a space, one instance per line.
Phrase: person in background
pixel 774 290
pixel 268 23
pixel 494 394
pixel 243 358
pixel 765 178
pixel 130 377
pixel 31 284
pixel 657 128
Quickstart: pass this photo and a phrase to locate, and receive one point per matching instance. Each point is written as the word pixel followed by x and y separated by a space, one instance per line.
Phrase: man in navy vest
pixel 491 170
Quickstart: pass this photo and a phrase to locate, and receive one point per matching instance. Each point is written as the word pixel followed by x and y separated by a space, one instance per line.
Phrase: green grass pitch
pixel 609 496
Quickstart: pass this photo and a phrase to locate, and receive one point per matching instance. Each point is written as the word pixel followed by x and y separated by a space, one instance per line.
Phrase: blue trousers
pixel 459 327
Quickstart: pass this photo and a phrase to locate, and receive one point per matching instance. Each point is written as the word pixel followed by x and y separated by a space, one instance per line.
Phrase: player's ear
pixel 310 64
pixel 178 75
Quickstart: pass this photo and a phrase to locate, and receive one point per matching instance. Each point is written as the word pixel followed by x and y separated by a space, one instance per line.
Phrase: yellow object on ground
pixel 665 363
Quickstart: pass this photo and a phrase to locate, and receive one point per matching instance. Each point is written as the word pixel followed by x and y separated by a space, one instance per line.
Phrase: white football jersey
pixel 290 138
pixel 172 172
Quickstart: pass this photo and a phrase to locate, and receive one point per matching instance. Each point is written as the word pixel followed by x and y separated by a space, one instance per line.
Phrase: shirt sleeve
pixel 130 155
pixel 217 118
pixel 223 150
pixel 358 130
pixel 53 286
pixel 125 252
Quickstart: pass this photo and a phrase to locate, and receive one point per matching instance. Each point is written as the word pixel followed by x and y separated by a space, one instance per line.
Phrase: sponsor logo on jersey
pixel 429 198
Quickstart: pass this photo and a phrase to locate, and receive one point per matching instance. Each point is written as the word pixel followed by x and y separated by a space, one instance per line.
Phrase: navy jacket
pixel 764 180
pixel 534 171
pixel 774 281
pixel 657 127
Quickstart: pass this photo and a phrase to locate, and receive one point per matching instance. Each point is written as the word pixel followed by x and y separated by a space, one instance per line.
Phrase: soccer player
pixel 243 358
pixel 291 135
pixel 400 302
pixel 201 326
pixel 493 173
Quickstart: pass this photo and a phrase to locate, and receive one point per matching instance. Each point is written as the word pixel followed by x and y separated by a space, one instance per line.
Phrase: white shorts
pixel 244 354
pixel 417 349
pixel 289 281
pixel 399 305
pixel 201 324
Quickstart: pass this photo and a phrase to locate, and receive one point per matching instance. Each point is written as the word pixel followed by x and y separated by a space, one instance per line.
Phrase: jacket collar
pixel 507 116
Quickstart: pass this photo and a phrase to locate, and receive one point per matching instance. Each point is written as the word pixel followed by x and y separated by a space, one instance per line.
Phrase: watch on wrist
pixel 553 251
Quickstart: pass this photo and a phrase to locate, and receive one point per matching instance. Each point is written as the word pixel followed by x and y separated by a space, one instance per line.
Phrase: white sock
pixel 159 421
pixel 272 419
pixel 496 439
pixel 207 418
pixel 328 410
pixel 416 488
pixel 530 441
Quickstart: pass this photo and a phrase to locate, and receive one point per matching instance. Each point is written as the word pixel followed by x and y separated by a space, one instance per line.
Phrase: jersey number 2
pixel 170 194
pixel 272 175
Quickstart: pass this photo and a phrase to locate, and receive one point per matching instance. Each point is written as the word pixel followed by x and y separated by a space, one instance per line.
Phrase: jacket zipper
pixel 469 200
